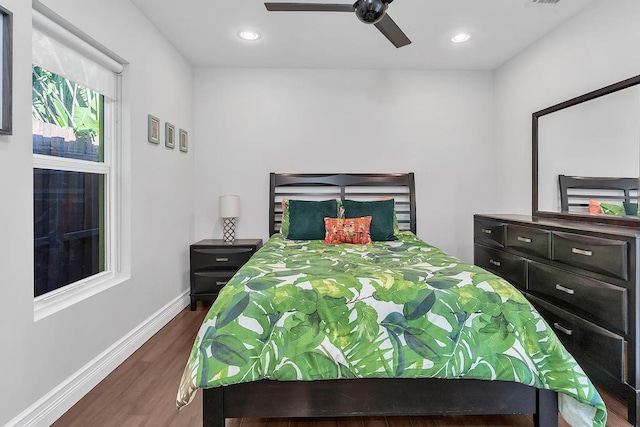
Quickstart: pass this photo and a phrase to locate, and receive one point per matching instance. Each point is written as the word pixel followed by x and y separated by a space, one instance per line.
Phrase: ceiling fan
pixel 368 11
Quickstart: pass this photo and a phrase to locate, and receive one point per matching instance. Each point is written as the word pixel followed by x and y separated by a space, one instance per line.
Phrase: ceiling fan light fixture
pixel 370 11
pixel 249 35
pixel 460 38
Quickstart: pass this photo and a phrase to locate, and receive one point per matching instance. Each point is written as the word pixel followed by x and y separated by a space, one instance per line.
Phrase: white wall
pixel 437 124
pixel 596 48
pixel 38 356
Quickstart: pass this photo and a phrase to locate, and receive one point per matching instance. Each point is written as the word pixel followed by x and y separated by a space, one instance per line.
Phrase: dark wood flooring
pixel 142 392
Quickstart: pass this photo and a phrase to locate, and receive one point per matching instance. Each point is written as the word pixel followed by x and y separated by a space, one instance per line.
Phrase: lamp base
pixel 228 230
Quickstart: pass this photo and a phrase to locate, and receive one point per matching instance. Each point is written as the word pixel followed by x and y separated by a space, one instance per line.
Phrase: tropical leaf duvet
pixel 303 310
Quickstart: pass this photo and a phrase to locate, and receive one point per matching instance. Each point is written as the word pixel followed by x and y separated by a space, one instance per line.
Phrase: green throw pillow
pixel 382 213
pixel 612 209
pixel 306 218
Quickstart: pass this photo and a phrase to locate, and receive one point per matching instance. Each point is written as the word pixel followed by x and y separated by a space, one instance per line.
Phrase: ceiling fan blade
pixel 308 7
pixel 391 31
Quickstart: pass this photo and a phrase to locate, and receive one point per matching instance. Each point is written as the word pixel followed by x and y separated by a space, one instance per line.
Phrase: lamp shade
pixel 229 206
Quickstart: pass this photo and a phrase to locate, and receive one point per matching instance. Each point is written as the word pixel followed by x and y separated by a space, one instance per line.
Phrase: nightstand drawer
pixel 509 267
pixel 210 282
pixel 532 241
pixel 488 233
pixel 604 256
pixel 584 340
pixel 597 301
pixel 220 258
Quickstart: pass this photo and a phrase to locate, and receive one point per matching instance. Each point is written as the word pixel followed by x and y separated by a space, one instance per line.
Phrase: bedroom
pixel 171 197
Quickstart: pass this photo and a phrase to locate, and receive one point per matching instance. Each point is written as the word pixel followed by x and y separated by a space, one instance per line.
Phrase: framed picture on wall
pixel 6 85
pixel 169 135
pixel 184 140
pixel 153 129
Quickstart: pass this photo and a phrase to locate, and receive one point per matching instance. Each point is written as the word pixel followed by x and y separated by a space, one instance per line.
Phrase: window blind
pixel 67 55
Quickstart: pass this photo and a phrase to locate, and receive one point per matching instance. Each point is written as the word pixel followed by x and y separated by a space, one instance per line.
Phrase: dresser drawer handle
pixel 562 328
pixel 486 231
pixel 221 283
pixel 524 239
pixel 565 290
pixel 222 259
pixel 581 252
pixel 496 263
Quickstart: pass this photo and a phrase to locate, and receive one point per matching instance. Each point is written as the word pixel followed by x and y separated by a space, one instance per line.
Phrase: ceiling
pixel 206 32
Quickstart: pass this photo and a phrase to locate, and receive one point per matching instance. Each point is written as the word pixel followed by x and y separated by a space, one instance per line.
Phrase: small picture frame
pixel 184 140
pixel 153 129
pixel 169 135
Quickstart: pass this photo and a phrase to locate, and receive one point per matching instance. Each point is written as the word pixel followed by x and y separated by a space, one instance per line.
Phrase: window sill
pixel 48 304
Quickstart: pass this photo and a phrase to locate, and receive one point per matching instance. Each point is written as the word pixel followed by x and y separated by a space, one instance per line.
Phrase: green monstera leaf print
pixel 303 310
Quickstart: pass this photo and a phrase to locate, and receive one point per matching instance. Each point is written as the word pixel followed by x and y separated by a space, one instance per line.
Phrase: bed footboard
pixel 377 397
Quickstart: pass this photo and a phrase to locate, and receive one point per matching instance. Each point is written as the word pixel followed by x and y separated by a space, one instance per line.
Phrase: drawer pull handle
pixel 581 252
pixel 496 263
pixel 565 289
pixel 222 259
pixel 562 328
pixel 221 283
pixel 524 239
pixel 486 231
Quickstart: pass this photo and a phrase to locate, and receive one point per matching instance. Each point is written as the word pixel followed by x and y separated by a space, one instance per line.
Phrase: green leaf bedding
pixel 303 310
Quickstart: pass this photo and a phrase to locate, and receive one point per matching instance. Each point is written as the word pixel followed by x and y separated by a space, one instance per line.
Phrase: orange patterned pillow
pixel 347 230
pixel 594 207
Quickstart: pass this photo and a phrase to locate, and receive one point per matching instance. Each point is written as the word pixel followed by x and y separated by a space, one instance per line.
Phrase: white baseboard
pixel 59 400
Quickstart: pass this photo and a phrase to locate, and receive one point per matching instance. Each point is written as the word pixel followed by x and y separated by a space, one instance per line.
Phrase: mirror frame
pixel 613 220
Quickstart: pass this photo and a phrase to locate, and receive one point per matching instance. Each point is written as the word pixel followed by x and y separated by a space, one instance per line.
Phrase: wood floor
pixel 142 392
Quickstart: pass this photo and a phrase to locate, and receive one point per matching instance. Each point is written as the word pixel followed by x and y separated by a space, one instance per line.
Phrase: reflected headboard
pixel 352 186
pixel 575 191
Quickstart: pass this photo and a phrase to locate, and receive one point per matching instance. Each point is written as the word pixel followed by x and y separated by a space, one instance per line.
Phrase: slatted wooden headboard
pixel 352 186
pixel 575 191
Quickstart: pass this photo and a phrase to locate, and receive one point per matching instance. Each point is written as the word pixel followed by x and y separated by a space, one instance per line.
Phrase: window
pixel 69 205
pixel 75 166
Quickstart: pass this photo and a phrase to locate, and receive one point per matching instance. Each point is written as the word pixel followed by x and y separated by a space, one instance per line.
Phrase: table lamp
pixel 229 211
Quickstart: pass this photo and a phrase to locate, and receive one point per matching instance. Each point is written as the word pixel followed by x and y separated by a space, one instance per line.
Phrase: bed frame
pixel 373 396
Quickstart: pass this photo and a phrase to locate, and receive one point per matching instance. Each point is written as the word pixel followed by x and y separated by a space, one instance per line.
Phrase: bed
pixel 414 308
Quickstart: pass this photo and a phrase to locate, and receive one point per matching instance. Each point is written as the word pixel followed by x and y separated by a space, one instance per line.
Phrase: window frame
pixel 111 167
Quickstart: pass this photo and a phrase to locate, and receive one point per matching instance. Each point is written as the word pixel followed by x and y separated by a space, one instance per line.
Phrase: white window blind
pixel 67 55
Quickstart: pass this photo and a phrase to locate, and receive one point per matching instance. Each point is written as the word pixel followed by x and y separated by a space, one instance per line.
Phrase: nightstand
pixel 214 262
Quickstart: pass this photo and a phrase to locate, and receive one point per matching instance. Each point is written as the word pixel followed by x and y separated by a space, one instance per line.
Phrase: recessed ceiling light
pixel 460 38
pixel 249 35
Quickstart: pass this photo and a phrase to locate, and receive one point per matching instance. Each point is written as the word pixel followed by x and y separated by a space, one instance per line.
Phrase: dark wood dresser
pixel 583 279
pixel 214 262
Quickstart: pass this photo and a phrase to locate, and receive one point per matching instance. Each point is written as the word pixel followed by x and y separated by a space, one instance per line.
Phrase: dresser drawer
pixel 605 256
pixel 529 240
pixel 488 233
pixel 220 258
pixel 585 340
pixel 597 301
pixel 508 266
pixel 210 282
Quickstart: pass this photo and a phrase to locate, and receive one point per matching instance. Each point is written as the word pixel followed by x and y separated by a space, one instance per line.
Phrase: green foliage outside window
pixel 59 101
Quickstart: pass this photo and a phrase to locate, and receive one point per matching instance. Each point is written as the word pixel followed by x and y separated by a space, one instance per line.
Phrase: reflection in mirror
pixel 598 138
pixel 595 136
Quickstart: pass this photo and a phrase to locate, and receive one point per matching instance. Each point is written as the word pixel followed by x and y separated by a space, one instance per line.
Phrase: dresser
pixel 583 279
pixel 213 264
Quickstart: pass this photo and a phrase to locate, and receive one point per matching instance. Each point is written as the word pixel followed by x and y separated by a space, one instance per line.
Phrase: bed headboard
pixel 575 191
pixel 353 186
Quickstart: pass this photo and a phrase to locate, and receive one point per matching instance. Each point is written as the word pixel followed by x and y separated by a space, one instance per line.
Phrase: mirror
pixel 596 135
